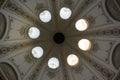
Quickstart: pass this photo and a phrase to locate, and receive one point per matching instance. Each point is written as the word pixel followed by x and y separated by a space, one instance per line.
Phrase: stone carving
pixel 4 50
pixel 96 47
pixel 10 48
pixel 99 48
pixel 68 2
pixel 27 58
pixel 65 72
pixel 1 2
pixel 38 68
pixel 86 4
pixel 78 69
pixel 91 19
pixel 23 31
pixel 94 16
pixel 51 74
pixel 113 32
pixel 108 74
pixel 38 7
pixel 10 5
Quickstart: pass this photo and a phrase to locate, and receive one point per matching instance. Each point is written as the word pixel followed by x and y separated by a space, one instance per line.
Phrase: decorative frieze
pixel 17 9
pixel 107 73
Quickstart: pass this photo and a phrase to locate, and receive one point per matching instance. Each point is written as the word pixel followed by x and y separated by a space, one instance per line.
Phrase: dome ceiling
pixel 59 39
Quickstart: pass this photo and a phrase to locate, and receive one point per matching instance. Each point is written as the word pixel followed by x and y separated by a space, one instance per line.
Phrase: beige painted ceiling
pixel 99 63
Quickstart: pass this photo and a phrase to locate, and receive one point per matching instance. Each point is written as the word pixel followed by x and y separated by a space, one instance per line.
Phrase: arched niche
pixel 7 72
pixel 113 8
pixel 2 25
pixel 116 57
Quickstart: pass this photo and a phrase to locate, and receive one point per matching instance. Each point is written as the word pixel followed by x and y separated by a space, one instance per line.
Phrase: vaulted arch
pixel 116 57
pixel 113 8
pixel 2 25
pixel 7 72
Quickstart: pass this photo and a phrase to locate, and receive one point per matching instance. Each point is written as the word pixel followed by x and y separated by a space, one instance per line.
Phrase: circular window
pixel 81 25
pixel 53 63
pixel 37 52
pixel 84 44
pixel 65 13
pixel 33 33
pixel 45 16
pixel 72 60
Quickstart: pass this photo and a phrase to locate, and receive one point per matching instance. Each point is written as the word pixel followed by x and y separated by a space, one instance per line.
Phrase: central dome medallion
pixel 59 38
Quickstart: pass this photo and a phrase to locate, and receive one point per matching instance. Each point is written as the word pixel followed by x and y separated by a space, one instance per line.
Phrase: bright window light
pixel 33 32
pixel 81 25
pixel 72 60
pixel 45 16
pixel 84 44
pixel 37 52
pixel 65 13
pixel 53 63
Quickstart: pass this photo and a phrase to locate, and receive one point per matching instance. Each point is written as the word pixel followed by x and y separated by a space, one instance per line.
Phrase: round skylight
pixel 45 16
pixel 72 60
pixel 37 52
pixel 81 24
pixel 65 13
pixel 33 32
pixel 84 44
pixel 53 63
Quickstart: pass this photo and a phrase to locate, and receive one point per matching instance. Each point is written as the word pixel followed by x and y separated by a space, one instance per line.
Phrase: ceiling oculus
pixel 37 52
pixel 45 16
pixel 33 32
pixel 65 13
pixel 81 25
